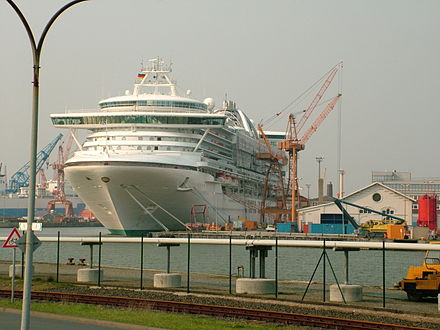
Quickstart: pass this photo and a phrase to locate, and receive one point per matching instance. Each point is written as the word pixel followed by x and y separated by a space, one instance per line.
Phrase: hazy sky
pixel 262 54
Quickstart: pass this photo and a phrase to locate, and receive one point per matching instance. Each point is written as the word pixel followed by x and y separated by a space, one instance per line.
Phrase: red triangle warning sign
pixel 12 238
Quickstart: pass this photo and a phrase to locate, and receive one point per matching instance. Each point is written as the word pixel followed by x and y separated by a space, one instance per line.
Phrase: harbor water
pixel 296 264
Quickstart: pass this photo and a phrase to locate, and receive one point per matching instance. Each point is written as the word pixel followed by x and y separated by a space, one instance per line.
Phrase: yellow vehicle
pixel 380 228
pixel 423 281
pixel 372 228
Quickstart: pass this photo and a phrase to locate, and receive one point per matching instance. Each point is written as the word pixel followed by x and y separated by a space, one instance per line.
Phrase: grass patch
pixel 144 317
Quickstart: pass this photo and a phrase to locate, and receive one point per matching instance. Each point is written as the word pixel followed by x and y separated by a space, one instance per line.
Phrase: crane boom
pixel 21 177
pixel 293 145
pixel 312 129
pixel 317 97
pixel 265 139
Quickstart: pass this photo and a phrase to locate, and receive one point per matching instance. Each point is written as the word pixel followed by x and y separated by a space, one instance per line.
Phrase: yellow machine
pixel 389 228
pixel 423 281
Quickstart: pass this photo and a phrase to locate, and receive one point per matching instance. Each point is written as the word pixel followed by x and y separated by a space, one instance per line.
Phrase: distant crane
pixel 60 195
pixel 43 179
pixel 21 178
pixel 276 161
pixel 293 144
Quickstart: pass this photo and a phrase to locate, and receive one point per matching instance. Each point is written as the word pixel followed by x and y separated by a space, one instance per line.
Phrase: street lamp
pixel 36 52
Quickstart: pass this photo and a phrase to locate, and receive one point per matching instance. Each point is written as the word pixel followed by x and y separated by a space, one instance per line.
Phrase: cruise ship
pixel 159 161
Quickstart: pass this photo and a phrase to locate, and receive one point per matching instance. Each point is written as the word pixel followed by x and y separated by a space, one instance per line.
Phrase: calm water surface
pixel 293 263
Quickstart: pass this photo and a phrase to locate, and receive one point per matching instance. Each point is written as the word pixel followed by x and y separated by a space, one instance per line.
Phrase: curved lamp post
pixel 36 52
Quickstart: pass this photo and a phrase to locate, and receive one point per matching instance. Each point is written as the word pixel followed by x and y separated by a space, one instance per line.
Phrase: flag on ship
pixel 141 75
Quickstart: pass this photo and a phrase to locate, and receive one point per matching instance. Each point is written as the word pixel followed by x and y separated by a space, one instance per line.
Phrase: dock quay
pixel 213 288
pixel 272 235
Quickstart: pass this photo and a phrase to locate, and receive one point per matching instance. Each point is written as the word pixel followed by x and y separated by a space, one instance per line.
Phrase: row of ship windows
pixel 140 119
pixel 155 103
pixel 141 148
pixel 142 138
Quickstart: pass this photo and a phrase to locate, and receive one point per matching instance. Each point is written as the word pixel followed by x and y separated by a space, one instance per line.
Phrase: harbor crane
pixel 20 178
pixel 293 144
pixel 275 167
pixel 60 195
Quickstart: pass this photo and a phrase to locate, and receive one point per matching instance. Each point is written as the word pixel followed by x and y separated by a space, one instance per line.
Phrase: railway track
pixel 211 310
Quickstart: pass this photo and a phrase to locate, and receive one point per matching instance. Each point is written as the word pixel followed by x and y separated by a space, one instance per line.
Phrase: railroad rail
pixel 211 310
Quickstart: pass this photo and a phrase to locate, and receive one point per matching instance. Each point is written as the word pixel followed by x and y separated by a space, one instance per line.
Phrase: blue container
pixel 335 229
pixel 315 228
pixel 285 227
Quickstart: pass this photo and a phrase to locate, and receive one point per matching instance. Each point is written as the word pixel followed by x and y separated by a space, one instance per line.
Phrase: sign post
pixel 13 276
pixel 11 242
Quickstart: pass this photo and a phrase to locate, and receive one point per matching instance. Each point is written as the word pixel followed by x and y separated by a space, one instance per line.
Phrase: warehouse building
pixel 375 196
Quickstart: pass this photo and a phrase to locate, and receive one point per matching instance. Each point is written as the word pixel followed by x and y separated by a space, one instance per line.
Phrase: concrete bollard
pixel 89 275
pixel 351 292
pixel 167 280
pixel 18 270
pixel 255 285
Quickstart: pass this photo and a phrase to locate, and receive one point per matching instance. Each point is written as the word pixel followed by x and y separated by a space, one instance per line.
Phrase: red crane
pixel 276 161
pixel 60 196
pixel 293 144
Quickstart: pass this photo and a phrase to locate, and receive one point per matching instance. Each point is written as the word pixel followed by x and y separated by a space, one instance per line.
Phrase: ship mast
pixel 154 78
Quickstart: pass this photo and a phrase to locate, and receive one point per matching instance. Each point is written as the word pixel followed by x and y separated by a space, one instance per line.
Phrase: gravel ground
pixel 213 289
pixel 323 309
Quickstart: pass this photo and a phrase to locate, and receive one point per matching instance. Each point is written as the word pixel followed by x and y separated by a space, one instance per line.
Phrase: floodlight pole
pixel 36 52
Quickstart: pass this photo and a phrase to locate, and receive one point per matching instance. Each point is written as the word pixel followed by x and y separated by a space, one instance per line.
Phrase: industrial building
pixel 376 196
pixel 404 183
pixel 412 187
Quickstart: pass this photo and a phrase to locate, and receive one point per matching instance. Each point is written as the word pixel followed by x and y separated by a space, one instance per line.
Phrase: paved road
pixel 10 320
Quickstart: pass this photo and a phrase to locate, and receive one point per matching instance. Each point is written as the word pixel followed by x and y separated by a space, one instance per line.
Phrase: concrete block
pixel 167 280
pixel 255 285
pixel 351 292
pixel 89 275
pixel 18 270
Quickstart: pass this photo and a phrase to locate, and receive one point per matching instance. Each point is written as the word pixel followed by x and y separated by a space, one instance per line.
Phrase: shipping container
pixel 395 232
pixel 285 227
pixel 337 229
pixel 250 225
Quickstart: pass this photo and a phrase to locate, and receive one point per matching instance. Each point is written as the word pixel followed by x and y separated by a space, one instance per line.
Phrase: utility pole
pixel 36 52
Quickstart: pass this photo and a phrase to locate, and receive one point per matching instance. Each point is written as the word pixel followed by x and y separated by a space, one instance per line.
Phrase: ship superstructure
pixel 153 158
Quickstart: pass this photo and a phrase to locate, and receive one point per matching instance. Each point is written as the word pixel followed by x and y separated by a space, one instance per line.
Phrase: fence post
pixel 142 259
pixel 230 264
pixel 323 272
pixel 99 260
pixel 276 267
pixel 383 273
pixel 188 269
pixel 58 256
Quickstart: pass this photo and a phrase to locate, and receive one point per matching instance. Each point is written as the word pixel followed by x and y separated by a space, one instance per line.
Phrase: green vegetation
pixel 143 317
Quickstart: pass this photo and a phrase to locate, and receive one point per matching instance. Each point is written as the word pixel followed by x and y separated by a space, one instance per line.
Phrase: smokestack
pixel 341 183
pixel 320 190
pixel 330 189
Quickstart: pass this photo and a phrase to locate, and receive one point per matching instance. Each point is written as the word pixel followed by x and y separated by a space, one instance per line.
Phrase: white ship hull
pixel 142 198
pixel 157 161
